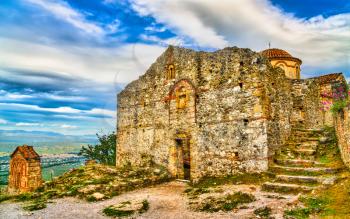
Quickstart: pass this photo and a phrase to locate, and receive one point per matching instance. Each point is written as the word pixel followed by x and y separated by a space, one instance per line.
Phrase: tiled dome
pixel 279 54
pixel 275 53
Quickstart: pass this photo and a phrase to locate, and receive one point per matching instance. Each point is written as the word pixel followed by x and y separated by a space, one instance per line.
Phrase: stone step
pixel 297 162
pixel 303 151
pixel 303 140
pixel 286 188
pixel 303 170
pixel 298 134
pixel 293 144
pixel 324 180
pixel 298 179
pixel 301 154
pixel 307 130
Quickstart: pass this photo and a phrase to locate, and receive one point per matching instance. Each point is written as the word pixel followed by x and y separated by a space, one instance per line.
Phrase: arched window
pixel 171 71
pixel 181 98
pixel 282 66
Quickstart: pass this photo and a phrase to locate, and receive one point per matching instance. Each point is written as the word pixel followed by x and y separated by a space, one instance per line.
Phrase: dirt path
pixel 167 201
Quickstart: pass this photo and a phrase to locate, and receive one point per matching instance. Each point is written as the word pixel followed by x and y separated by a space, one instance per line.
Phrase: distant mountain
pixel 30 137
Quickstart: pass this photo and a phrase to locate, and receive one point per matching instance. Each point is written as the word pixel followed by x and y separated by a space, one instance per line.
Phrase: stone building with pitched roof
pixel 217 113
pixel 25 170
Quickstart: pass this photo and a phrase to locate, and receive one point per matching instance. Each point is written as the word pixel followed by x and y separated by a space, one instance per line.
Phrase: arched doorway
pixel 183 157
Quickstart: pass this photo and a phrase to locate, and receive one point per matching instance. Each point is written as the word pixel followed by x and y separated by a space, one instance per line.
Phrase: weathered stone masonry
pixel 25 170
pixel 211 113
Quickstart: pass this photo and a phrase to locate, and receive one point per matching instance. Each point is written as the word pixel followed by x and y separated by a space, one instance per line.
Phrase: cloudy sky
pixel 63 61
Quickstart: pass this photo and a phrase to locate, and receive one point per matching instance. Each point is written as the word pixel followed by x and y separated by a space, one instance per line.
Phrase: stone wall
pixel 215 113
pixel 326 92
pixel 306 104
pixel 230 108
pixel 24 175
pixel 278 104
pixel 342 127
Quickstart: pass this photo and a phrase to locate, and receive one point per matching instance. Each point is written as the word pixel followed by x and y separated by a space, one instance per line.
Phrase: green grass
pixel 225 203
pixel 328 153
pixel 237 179
pixel 313 206
pixel 35 205
pixel 4 197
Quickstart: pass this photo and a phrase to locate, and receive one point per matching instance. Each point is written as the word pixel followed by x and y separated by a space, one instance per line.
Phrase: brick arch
pixel 188 85
pixel 186 81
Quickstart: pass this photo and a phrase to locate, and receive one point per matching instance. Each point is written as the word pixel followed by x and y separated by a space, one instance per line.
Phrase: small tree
pixel 104 152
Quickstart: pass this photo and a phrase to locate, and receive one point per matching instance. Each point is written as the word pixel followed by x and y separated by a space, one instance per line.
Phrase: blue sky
pixel 62 62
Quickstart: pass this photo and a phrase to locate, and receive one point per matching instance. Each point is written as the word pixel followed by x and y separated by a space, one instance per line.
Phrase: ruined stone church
pixel 217 113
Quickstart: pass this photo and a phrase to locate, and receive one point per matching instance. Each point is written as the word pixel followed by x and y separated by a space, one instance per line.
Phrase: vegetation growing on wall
pixel 340 97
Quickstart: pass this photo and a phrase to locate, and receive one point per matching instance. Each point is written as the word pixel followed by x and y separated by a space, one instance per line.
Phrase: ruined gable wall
pixel 233 112
pixel 144 107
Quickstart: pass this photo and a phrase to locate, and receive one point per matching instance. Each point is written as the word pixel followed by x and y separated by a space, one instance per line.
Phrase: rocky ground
pixel 297 186
pixel 167 200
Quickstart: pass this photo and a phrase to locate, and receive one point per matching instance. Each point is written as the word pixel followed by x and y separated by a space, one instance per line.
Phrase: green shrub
pixel 145 206
pixel 35 205
pixel 5 198
pixel 104 152
pixel 91 198
pixel 339 105
pixel 263 212
pixel 112 212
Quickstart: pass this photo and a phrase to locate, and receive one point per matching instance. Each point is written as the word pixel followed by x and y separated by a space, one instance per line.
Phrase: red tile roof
pixel 279 54
pixel 325 79
pixel 27 152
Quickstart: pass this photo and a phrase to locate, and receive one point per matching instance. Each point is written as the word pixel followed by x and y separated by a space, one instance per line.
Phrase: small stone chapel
pixel 25 170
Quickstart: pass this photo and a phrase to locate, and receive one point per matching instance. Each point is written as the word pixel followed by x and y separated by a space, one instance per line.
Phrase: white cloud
pixel 28 124
pixel 320 42
pixel 60 98
pixel 63 110
pixel 175 41
pixel 177 16
pixel 17 96
pixel 62 10
pixel 114 26
pixel 3 122
pixel 120 64
pixel 97 111
pixel 154 28
pixel 65 126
